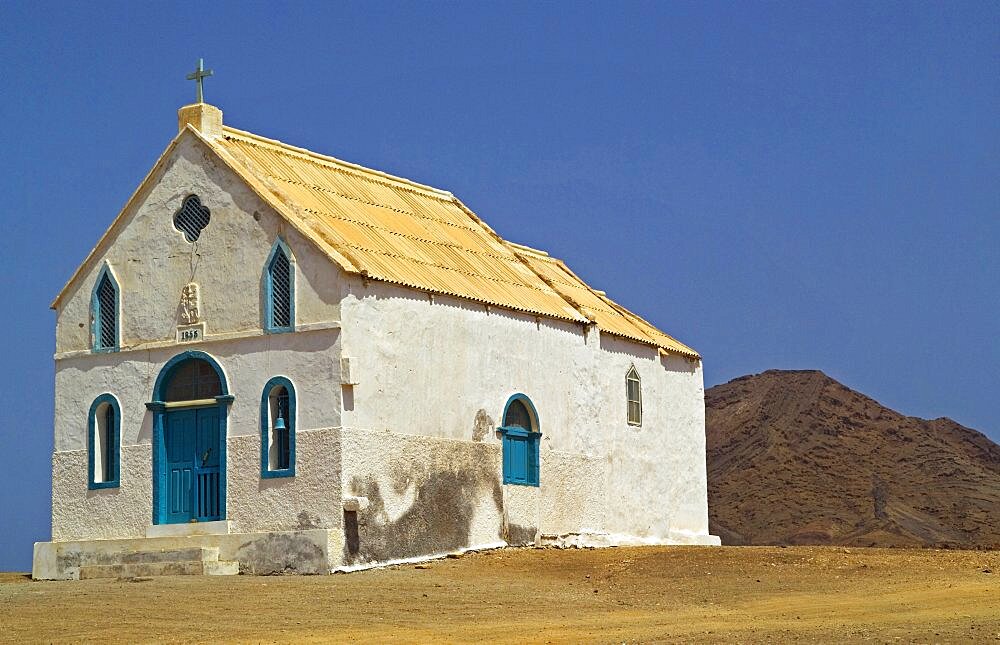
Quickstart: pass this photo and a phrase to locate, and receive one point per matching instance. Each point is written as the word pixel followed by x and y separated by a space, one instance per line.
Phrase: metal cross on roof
pixel 198 75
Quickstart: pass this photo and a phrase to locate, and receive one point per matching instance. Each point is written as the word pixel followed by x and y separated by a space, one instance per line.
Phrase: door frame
pixel 159 410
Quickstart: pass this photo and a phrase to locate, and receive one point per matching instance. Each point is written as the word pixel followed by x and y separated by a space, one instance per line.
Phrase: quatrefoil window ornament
pixel 192 218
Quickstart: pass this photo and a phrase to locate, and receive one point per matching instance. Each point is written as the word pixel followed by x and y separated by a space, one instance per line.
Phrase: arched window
pixel 520 442
pixel 277 429
pixel 104 312
pixel 103 442
pixel 633 395
pixel 279 290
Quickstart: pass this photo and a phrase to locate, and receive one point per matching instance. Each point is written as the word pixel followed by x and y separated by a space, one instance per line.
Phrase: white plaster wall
pixel 309 500
pixel 309 359
pixel 569 502
pixel 79 513
pixel 657 482
pixel 152 260
pixel 429 367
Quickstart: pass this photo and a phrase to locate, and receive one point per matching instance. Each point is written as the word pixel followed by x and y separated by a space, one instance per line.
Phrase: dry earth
pixel 827 594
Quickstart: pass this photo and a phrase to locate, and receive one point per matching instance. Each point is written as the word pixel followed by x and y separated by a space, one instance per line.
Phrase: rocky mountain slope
pixel 797 458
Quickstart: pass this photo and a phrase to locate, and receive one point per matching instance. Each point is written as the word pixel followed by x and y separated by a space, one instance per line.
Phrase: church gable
pixel 190 256
pixel 365 222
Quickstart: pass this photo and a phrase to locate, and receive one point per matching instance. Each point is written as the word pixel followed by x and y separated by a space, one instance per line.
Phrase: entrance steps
pixel 201 549
pixel 198 561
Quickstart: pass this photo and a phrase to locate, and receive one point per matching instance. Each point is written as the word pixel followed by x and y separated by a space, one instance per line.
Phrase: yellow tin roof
pixel 608 315
pixel 392 229
pixel 396 230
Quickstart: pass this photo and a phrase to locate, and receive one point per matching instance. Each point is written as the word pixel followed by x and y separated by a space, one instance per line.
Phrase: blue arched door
pixel 189 440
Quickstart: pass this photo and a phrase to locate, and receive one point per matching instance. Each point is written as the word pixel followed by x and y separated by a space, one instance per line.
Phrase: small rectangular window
pixel 633 395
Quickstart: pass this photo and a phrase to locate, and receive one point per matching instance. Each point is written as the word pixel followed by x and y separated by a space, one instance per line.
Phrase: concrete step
pixel 222 568
pixel 153 569
pixel 194 554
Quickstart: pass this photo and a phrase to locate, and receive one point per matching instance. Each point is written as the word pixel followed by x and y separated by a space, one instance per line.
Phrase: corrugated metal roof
pixel 392 229
pixel 595 305
pixel 396 230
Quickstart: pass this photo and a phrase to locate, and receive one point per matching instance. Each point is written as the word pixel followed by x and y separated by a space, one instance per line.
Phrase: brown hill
pixel 797 458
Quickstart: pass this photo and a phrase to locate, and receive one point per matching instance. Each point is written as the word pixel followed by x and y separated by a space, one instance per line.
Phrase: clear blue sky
pixel 780 185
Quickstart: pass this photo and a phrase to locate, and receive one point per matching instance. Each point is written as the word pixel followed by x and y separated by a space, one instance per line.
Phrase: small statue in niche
pixel 190 304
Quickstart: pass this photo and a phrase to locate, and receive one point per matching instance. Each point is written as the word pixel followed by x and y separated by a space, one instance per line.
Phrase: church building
pixel 277 361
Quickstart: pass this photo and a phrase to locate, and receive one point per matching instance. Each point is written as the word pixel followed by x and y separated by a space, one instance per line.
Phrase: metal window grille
pixel 192 380
pixel 192 218
pixel 107 314
pixel 281 290
pixel 633 393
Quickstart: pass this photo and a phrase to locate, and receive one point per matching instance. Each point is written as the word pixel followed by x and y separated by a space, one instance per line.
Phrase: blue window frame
pixel 520 442
pixel 277 429
pixel 104 306
pixel 279 290
pixel 104 443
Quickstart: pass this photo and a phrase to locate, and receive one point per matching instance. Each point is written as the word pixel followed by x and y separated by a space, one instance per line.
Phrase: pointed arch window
pixel 520 442
pixel 103 443
pixel 104 312
pixel 279 290
pixel 633 396
pixel 277 429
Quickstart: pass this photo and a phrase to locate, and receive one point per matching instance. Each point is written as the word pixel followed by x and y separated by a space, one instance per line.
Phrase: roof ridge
pixel 345 165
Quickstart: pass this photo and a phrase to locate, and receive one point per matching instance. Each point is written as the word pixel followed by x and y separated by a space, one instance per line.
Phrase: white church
pixel 277 361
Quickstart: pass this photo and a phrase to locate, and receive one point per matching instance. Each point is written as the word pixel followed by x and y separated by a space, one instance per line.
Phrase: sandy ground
pixel 544 595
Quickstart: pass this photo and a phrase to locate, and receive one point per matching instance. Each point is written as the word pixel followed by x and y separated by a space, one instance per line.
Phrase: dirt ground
pixel 543 595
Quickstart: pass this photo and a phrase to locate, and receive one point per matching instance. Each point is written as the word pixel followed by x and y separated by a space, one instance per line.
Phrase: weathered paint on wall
pixel 153 261
pixel 423 495
pixel 82 514
pixel 437 367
